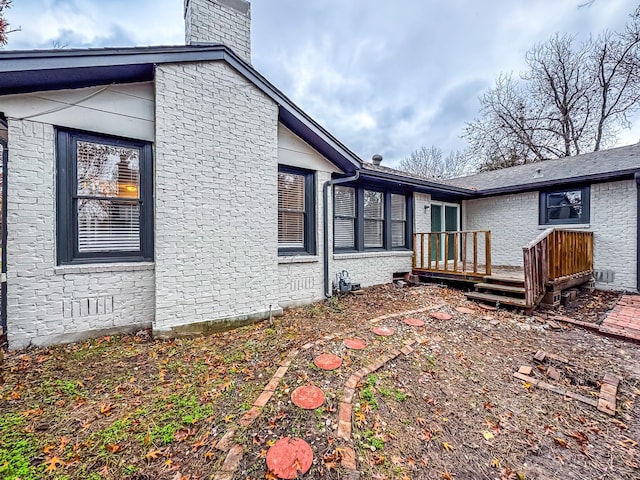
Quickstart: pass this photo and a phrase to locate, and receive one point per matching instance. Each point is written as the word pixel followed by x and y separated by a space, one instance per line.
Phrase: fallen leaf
pixel 448 447
pixel 560 441
pixel 106 409
pixel 487 435
pixel 495 463
pixel 112 447
pixel 153 454
pixel 53 463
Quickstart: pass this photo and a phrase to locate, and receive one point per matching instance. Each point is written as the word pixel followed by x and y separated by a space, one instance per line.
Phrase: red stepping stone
pixel 464 310
pixel 288 456
pixel 355 343
pixel 441 315
pixel 414 322
pixel 383 331
pixel 308 397
pixel 327 361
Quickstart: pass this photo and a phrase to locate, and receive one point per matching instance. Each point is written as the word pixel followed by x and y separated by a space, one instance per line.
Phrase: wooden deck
pixel 555 260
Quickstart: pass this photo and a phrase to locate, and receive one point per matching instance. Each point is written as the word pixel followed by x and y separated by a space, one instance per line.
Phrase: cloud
pixel 383 77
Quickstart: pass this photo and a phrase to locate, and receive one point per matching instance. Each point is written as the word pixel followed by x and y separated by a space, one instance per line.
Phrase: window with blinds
pixel 107 197
pixel 398 220
pixel 368 219
pixel 344 223
pixel 373 219
pixel 291 210
pixel 296 211
pixel 104 188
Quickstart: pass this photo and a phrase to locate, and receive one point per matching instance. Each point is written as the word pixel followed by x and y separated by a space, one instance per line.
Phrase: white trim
pixel 569 226
pixel 298 259
pixel 376 254
pixel 104 267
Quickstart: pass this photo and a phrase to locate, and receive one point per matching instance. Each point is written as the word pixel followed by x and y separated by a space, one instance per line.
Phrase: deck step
pixel 500 288
pixel 488 297
pixel 505 280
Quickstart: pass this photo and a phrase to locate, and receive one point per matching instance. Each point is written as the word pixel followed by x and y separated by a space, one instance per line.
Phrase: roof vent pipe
pixel 538 173
pixel 377 160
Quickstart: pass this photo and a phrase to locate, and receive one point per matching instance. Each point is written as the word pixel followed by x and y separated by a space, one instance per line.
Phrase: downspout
pixel 636 176
pixel 325 214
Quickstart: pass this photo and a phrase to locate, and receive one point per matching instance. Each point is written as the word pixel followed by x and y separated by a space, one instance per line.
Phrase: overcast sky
pixel 384 76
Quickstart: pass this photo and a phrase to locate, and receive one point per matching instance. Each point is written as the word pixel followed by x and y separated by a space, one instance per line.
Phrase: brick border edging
pixel 235 451
pixel 601 329
pixel 346 401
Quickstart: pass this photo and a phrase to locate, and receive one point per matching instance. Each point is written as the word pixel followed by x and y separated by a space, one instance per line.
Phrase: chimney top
pixel 377 159
pixel 226 22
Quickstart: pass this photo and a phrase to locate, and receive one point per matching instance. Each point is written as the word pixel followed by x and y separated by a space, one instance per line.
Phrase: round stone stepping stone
pixel 308 397
pixel 327 361
pixel 464 310
pixel 384 331
pixel 355 343
pixel 414 322
pixel 441 315
pixel 288 456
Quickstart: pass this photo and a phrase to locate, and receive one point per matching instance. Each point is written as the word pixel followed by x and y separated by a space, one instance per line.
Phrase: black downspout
pixel 636 176
pixel 325 214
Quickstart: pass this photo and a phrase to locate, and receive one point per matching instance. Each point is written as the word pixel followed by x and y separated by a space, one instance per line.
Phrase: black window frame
pixel 66 196
pixel 387 222
pixel 543 208
pixel 309 247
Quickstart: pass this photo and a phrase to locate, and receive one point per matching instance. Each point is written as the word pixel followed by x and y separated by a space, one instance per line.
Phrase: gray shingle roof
pixel 564 170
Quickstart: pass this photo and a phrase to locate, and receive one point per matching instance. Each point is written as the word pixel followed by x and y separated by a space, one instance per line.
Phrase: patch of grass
pixel 393 392
pixel 371 441
pixel 184 407
pixel 162 435
pixel 114 433
pixel 17 449
pixel 367 393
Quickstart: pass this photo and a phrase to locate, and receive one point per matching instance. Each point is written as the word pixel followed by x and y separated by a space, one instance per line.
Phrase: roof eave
pixel 422 185
pixel 545 184
pixel 41 70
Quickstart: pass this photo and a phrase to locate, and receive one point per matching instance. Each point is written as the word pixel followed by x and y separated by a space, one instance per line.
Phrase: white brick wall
pixel 513 221
pixel 216 196
pixel 371 268
pixel 220 21
pixel 46 304
pixel 421 216
pixel 613 222
pixel 301 277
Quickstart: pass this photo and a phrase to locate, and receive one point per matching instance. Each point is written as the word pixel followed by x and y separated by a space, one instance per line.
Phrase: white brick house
pixel 176 188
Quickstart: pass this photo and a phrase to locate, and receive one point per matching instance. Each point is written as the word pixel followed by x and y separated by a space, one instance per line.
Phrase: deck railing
pixel 455 253
pixel 555 254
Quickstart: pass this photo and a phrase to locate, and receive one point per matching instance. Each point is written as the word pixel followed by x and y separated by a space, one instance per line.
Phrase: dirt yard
pixel 137 408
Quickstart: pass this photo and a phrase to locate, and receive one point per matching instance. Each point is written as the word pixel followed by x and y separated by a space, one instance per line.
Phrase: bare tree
pixel 572 99
pixel 4 25
pixel 430 162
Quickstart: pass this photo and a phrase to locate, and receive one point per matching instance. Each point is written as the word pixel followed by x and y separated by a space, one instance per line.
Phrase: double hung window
pixel 104 198
pixel 296 211
pixel 367 219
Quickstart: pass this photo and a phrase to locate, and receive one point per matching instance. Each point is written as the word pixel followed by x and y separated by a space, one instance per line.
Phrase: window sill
pixel 104 268
pixel 566 226
pixel 373 254
pixel 298 259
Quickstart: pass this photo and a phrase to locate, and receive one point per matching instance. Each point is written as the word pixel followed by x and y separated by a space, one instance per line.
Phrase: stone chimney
pixel 226 22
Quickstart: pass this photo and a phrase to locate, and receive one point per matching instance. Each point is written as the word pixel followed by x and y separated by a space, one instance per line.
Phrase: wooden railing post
pixel 487 247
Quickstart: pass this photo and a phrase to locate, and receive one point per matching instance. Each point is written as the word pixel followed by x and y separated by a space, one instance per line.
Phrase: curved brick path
pixel 235 451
